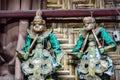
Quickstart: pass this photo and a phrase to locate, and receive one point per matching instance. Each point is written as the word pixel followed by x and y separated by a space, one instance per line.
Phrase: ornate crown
pixel 38 18
pixel 88 19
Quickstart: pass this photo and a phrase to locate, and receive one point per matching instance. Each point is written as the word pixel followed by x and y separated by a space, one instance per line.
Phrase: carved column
pixel 23 25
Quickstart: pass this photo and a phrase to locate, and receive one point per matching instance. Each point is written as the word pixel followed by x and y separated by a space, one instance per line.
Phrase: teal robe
pixel 54 44
pixel 53 41
pixel 102 33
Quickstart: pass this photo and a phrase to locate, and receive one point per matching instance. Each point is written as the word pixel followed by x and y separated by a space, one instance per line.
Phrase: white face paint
pixel 39 28
pixel 89 23
pixel 89 26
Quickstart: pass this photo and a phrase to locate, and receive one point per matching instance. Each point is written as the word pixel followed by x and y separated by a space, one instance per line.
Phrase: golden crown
pixel 38 18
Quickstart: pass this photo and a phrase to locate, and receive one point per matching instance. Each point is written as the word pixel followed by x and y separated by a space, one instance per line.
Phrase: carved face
pixel 39 28
pixel 89 23
pixel 39 25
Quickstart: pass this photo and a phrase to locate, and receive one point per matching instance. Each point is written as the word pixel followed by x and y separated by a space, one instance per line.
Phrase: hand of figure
pixel 26 56
pixel 102 50
pixel 22 55
pixel 79 55
pixel 19 53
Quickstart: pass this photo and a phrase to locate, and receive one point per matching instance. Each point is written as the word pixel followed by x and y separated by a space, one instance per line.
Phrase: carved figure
pixel 37 61
pixel 94 63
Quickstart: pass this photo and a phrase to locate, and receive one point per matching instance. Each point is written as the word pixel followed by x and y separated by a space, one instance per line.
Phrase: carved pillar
pixel 23 25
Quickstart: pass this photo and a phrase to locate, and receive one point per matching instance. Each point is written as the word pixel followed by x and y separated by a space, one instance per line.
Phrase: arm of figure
pixel 111 44
pixel 22 55
pixel 78 45
pixel 56 47
pixel 25 48
pixel 54 44
pixel 27 44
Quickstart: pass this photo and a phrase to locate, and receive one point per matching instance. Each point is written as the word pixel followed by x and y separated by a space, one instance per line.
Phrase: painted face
pixel 88 26
pixel 89 23
pixel 39 28
pixel 39 25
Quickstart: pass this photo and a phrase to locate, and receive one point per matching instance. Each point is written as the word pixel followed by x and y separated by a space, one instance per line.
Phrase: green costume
pixel 40 58
pixel 102 33
pixel 51 38
pixel 93 53
pixel 38 61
